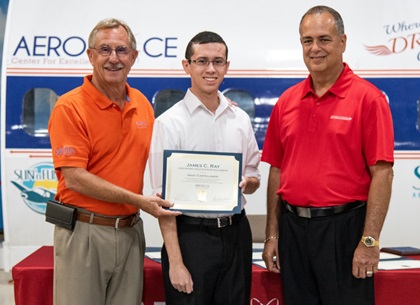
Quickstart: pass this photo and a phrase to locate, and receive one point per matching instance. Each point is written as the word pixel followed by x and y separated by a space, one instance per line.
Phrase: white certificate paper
pixel 202 181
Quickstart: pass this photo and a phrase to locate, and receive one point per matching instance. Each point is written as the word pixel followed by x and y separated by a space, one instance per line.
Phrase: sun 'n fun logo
pixel 404 36
pixel 416 193
pixel 37 185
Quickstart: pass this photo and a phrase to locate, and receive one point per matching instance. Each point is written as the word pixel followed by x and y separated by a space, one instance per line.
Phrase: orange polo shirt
pixel 89 131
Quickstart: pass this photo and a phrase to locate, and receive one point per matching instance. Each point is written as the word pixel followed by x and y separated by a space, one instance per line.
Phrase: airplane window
pixel 165 99
pixel 244 100
pixel 37 106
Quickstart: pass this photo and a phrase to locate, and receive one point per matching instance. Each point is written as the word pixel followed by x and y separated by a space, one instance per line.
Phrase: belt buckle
pixel 304 212
pixel 133 220
pixel 222 225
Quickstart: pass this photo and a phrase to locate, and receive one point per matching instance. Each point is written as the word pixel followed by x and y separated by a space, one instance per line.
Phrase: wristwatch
pixel 369 241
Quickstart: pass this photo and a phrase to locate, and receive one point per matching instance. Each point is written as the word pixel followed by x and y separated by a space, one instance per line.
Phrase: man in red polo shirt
pixel 330 146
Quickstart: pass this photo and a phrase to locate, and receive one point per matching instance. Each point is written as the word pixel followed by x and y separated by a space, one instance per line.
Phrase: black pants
pixel 220 263
pixel 316 259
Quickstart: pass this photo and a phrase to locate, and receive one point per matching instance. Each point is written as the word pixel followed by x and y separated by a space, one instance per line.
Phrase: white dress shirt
pixel 189 125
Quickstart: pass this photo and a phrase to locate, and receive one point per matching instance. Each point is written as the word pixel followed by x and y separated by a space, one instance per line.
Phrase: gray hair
pixel 111 23
pixel 320 9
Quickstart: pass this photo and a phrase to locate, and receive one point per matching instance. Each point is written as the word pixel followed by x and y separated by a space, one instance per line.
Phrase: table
pixel 33 281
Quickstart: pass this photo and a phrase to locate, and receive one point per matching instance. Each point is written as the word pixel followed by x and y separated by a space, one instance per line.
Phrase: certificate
pixel 202 181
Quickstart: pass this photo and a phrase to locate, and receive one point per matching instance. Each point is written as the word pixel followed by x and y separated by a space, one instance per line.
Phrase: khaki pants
pixel 98 265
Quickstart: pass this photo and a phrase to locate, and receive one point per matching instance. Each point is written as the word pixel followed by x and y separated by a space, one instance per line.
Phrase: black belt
pixel 219 222
pixel 326 211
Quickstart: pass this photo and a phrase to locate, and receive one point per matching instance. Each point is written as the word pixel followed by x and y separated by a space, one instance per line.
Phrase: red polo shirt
pixel 324 145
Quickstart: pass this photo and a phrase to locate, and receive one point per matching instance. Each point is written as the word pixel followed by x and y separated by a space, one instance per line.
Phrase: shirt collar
pixel 192 103
pixel 101 100
pixel 340 87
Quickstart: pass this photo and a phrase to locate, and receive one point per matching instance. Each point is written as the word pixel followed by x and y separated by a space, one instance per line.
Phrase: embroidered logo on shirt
pixel 274 301
pixel 65 151
pixel 141 124
pixel 340 118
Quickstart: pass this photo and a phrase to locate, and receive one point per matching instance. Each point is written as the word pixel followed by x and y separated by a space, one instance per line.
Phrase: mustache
pixel 113 67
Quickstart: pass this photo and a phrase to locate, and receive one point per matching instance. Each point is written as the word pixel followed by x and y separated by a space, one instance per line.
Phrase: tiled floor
pixel 6 288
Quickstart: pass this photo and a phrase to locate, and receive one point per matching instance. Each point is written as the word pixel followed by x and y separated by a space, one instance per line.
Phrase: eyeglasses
pixel 219 62
pixel 121 51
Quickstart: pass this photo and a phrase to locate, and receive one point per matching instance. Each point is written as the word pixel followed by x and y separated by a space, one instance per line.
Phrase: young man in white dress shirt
pixel 202 263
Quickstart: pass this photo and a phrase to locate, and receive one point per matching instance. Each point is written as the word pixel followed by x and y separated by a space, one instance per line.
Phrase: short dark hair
pixel 203 38
pixel 319 9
